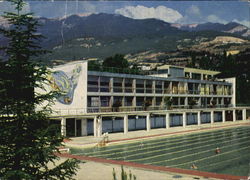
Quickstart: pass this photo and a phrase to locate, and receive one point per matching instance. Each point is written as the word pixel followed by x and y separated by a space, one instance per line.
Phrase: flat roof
pixel 193 70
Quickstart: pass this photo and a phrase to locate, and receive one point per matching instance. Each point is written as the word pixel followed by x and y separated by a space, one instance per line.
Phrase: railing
pixel 117 89
pixel 131 108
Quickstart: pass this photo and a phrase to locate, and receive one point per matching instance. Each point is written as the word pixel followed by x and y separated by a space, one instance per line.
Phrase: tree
pixel 28 142
pixel 117 61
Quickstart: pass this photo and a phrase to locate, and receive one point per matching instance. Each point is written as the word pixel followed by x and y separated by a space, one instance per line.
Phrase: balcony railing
pixel 130 109
pixel 155 90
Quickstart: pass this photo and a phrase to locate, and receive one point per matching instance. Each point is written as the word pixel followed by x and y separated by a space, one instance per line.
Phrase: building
pixel 95 102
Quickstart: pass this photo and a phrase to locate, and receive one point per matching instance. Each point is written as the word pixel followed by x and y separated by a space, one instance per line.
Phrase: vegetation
pixel 168 101
pixel 230 66
pixel 117 61
pixel 124 175
pixel 28 142
pixel 115 64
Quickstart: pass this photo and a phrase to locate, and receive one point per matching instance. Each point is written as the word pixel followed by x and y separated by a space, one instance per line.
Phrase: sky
pixel 184 12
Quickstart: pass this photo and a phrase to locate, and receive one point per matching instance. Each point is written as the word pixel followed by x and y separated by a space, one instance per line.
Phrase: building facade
pixel 95 102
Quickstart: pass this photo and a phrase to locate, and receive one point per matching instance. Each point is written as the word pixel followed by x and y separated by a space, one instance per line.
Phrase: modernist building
pixel 95 102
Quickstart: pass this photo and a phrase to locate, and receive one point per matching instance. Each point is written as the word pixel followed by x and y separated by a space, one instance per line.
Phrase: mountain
pixel 232 27
pixel 102 35
pixel 101 26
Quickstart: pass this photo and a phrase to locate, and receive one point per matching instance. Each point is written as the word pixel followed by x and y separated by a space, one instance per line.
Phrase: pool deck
pixel 155 172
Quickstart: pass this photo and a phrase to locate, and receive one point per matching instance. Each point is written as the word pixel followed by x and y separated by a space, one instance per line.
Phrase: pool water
pixel 184 150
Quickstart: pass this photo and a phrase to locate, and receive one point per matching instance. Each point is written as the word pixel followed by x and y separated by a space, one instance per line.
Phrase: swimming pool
pixel 184 150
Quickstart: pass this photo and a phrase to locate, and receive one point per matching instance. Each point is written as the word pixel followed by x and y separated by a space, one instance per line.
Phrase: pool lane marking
pixel 166 140
pixel 222 161
pixel 151 157
pixel 190 162
pixel 187 140
pixel 198 147
pixel 180 157
pixel 98 154
pixel 212 140
pixel 156 168
pixel 134 149
pixel 212 156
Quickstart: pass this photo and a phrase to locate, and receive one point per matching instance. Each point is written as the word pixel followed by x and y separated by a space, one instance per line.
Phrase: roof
pixel 193 70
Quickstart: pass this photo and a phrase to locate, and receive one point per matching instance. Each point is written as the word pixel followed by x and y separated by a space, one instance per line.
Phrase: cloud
pixel 243 22
pixel 192 15
pixel 142 12
pixel 215 19
pixel 8 7
pixel 193 10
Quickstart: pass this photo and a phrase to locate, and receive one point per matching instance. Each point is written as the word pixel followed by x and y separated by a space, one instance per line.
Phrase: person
pixel 193 166
pixel 217 150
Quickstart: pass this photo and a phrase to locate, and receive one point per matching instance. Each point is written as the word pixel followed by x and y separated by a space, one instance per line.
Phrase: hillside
pixel 102 35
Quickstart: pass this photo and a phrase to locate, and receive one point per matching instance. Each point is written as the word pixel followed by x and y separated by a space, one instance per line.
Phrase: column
pixel 234 115
pixel 186 102
pixel 95 126
pixel 63 126
pixel 199 118
pixel 125 124
pixel 212 117
pixel 111 85
pixel 84 124
pixel 184 119
pixel 223 116
pixel 99 126
pixel 244 114
pixel 167 120
pixel 148 122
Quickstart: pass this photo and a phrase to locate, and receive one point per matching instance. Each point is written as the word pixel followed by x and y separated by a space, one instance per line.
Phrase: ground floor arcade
pixel 97 124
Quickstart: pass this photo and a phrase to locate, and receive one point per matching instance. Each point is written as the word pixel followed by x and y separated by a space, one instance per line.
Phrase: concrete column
pixel 95 126
pixel 63 126
pixel 244 114
pixel 84 127
pixel 148 122
pixel 167 120
pixel 111 85
pixel 99 126
pixel 153 87
pixel 186 102
pixel 134 103
pixel 199 118
pixel 223 116
pixel 212 117
pixel 184 119
pixel 171 87
pixel 125 124
pixel 134 86
pixel 234 115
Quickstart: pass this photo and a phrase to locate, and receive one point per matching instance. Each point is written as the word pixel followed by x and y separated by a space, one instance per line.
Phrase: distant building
pixel 88 95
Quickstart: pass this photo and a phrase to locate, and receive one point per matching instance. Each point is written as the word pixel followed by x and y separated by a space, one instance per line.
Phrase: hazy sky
pixel 185 12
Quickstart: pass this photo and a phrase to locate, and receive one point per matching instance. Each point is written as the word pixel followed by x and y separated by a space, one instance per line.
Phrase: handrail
pixel 90 110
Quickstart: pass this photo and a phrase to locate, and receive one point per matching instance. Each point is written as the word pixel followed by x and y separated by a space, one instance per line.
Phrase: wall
pixel 71 80
pixel 233 81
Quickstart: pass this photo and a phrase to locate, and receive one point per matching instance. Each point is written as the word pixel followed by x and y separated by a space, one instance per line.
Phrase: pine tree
pixel 27 141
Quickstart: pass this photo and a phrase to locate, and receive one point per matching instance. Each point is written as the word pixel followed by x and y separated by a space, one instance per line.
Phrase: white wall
pixel 233 81
pixel 70 78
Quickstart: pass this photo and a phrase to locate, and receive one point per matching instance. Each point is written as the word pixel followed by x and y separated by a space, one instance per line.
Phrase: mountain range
pixel 231 27
pixel 102 35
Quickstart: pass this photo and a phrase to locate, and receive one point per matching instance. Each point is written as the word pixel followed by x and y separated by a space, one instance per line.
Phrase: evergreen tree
pixel 27 141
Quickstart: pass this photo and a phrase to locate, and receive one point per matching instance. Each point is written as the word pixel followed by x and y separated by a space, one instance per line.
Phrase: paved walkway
pixel 100 169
